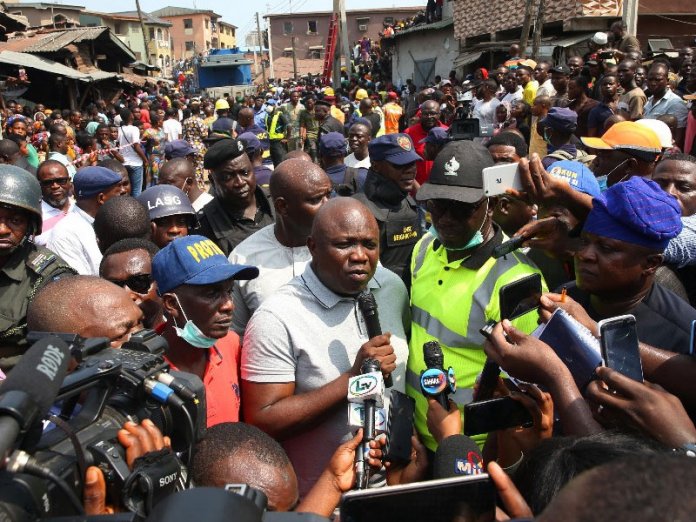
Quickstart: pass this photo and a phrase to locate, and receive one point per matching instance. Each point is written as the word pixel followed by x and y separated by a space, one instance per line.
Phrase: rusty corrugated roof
pixel 56 40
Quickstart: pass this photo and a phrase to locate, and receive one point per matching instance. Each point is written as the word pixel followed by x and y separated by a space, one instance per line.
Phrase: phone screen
pixel 493 415
pixel 520 297
pixel 619 342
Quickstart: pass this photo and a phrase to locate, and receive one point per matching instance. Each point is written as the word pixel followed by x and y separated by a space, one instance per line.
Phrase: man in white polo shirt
pixel 305 342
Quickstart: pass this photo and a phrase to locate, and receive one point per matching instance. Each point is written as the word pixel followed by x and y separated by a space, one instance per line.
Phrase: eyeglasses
pixel 140 283
pixel 456 209
pixel 49 182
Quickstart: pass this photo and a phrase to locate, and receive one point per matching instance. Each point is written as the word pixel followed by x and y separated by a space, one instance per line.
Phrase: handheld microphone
pixel 457 456
pixel 435 382
pixel 30 389
pixel 367 388
pixel 368 307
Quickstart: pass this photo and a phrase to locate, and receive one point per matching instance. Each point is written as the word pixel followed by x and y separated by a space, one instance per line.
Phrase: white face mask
pixel 269 109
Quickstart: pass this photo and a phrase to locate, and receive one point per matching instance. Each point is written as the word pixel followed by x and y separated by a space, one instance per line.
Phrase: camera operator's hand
pixel 443 423
pixel 646 406
pixel 514 503
pixel 379 348
pixel 416 469
pixel 550 302
pixel 141 439
pixel 138 440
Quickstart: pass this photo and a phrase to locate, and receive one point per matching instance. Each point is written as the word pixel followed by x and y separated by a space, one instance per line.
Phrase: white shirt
pixel 201 201
pixel 277 265
pixel 74 240
pixel 352 161
pixel 512 97
pixel 129 135
pixel 172 129
pixel 50 217
pixel 485 111
pixel 546 89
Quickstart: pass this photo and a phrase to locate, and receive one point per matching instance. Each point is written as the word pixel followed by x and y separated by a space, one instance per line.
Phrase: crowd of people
pixel 243 229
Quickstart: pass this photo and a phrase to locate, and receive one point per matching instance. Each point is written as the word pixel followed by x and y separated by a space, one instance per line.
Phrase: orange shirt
pixel 392 114
pixel 221 380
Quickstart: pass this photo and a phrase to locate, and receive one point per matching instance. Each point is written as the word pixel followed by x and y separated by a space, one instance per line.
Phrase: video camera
pixel 465 126
pixel 106 389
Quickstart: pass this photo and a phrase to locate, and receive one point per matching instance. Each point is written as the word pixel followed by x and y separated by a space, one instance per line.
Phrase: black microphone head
pixel 457 456
pixel 370 365
pixel 39 374
pixel 432 354
pixel 366 301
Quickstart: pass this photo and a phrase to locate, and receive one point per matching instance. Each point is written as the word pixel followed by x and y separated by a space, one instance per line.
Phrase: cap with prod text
pixel 195 260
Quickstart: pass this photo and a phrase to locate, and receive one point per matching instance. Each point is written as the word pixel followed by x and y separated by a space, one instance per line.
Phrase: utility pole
pixel 630 16
pixel 524 40
pixel 294 60
pixel 142 28
pixel 260 42
pixel 538 30
pixel 340 8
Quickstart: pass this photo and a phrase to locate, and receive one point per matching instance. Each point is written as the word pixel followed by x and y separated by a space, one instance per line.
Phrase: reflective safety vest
pixel 450 303
pixel 272 134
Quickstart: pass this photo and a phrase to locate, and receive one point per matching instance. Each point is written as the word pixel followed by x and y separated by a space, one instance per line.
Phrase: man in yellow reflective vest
pixel 454 280
pixel 277 125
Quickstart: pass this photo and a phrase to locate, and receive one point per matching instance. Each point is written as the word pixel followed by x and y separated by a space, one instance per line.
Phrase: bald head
pixel 85 305
pixel 343 212
pixel 294 176
pixel 298 154
pixel 245 116
pixel 175 171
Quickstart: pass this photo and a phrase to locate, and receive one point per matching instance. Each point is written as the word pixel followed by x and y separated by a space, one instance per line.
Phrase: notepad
pixel 573 343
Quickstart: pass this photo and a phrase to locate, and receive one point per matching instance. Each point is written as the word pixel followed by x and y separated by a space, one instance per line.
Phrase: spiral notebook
pixel 573 343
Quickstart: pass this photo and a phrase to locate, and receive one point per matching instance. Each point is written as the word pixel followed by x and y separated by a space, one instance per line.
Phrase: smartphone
pixel 495 414
pixel 692 349
pixel 399 428
pixel 618 340
pixel 498 178
pixel 470 497
pixel 520 297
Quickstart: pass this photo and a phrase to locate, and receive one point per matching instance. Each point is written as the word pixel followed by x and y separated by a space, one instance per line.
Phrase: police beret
pixel 222 151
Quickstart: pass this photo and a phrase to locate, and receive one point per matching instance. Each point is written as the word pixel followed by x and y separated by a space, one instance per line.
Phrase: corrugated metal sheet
pixel 42 64
pixel 56 40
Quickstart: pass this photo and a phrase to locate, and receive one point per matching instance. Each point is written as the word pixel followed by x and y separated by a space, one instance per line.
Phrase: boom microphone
pixel 457 456
pixel 435 382
pixel 30 389
pixel 368 307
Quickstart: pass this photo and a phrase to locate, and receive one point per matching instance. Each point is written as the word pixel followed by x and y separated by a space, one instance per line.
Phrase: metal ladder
pixel 330 49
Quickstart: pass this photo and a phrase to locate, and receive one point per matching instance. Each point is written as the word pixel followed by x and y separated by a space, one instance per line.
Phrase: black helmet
pixel 20 189
pixel 166 200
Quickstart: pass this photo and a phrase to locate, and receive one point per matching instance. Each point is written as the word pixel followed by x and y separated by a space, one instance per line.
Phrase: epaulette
pixel 39 260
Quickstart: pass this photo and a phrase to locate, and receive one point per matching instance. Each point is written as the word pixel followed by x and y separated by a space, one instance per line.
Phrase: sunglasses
pixel 140 283
pixel 454 208
pixel 49 182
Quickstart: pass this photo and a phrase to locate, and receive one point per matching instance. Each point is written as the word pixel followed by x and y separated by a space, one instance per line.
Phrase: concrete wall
pixel 423 45
pixel 201 36
pixel 44 17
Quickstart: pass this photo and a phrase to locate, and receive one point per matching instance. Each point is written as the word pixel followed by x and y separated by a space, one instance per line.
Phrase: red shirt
pixel 221 379
pixel 423 167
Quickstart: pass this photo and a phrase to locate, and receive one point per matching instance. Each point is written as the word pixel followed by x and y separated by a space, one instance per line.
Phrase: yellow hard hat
pixel 329 92
pixel 360 94
pixel 221 104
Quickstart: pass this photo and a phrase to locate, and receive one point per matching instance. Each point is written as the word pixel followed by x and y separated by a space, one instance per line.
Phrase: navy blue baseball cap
pixel 90 181
pixel 195 260
pixel 251 143
pixel 177 149
pixel 562 119
pixel 437 136
pixel 332 144
pixel 394 148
